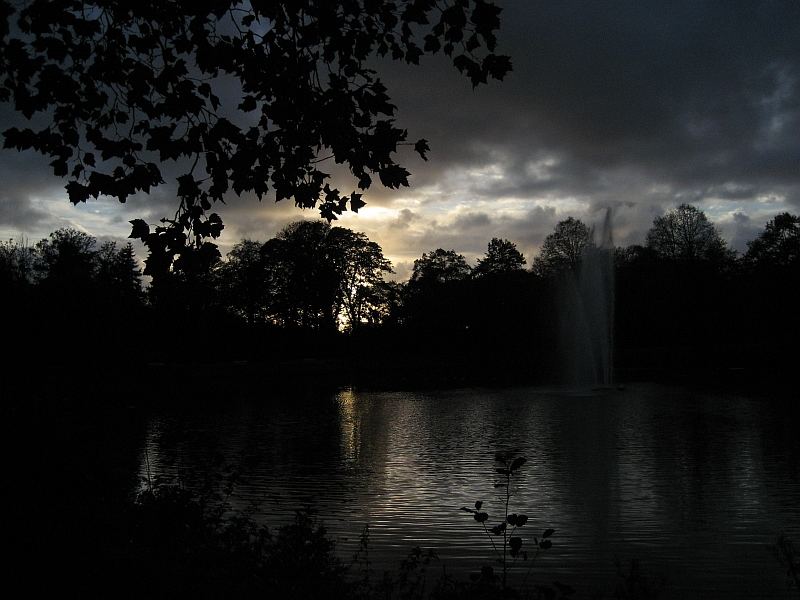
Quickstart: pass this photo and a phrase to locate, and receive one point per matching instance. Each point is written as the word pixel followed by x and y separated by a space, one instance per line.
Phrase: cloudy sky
pixel 638 106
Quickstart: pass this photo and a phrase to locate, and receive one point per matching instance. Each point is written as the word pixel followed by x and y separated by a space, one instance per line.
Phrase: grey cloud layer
pixel 637 105
pixel 693 94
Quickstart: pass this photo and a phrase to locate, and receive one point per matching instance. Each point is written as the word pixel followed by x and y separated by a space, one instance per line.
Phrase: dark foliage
pixel 778 246
pixel 68 296
pixel 686 234
pixel 130 87
pixel 501 257
pixel 564 248
pixel 317 292
pixel 311 276
pixel 181 547
pixel 437 267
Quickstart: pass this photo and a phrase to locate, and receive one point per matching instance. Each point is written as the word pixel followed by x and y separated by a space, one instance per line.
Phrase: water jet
pixel 586 312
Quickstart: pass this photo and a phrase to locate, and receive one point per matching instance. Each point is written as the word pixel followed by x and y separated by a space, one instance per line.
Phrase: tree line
pixel 684 299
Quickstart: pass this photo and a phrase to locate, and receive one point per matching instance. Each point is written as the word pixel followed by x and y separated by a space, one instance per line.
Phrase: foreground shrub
pixel 178 547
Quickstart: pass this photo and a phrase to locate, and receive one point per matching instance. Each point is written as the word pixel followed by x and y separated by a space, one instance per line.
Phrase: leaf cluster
pixel 130 86
pixel 511 545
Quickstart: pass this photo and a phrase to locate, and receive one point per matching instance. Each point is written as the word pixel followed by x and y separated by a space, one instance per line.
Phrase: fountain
pixel 586 313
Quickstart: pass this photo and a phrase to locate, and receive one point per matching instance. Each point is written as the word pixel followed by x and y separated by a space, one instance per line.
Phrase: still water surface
pixel 695 485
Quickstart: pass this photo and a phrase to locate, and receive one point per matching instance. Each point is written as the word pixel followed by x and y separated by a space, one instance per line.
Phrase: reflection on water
pixel 349 421
pixel 695 485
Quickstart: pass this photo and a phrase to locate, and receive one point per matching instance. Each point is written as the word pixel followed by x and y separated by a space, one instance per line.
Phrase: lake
pixel 696 485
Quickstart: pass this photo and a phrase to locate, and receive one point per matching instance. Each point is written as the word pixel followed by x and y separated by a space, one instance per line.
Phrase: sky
pixel 634 106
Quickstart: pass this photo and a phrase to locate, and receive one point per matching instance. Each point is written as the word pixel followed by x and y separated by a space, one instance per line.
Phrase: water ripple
pixel 694 485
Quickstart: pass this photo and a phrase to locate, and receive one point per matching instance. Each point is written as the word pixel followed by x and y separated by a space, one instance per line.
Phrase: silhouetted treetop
pixel 501 256
pixel 71 276
pixel 117 270
pixel 778 245
pixel 242 281
pixel 305 281
pixel 311 275
pixel 16 263
pixel 128 86
pixel 360 266
pixel 564 248
pixel 685 233
pixel 439 266
pixel 635 254
pixel 66 259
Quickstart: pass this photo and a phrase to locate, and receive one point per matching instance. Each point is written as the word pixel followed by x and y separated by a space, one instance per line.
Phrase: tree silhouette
pixel 185 297
pixel 384 304
pixel 280 307
pixel 66 261
pixel 129 86
pixel 778 245
pixel 564 248
pixel 242 281
pixel 685 233
pixel 312 282
pixel 501 256
pixel 17 288
pixel 301 289
pixel 434 304
pixel 319 277
pixel 360 266
pixel 769 286
pixel 439 266
pixel 118 273
pixel 632 256
pixel 16 264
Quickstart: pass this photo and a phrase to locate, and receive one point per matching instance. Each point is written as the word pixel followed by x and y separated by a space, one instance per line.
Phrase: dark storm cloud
pixel 21 182
pixel 472 220
pixel 694 94
pixel 404 218
pixel 19 214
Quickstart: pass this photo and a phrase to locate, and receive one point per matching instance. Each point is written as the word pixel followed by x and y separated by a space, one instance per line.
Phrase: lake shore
pixel 149 383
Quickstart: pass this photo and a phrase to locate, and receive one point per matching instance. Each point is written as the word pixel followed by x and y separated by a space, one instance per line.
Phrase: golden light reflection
pixel 349 425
